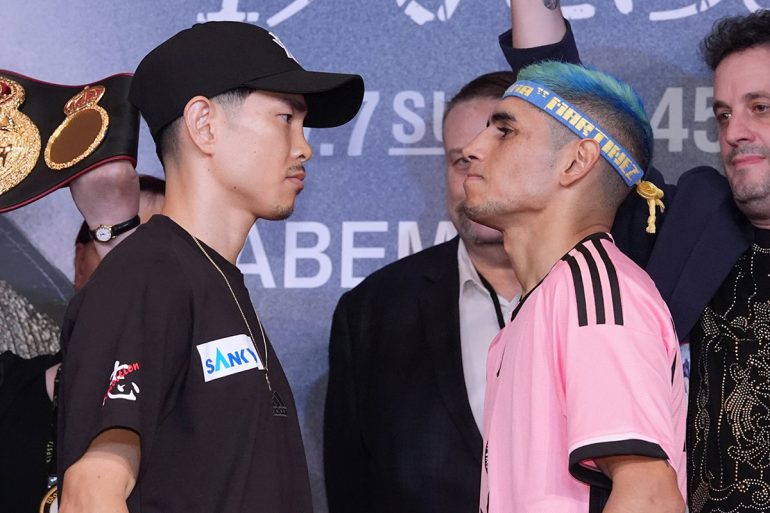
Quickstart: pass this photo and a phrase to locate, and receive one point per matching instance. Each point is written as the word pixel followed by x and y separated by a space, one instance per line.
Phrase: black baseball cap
pixel 211 58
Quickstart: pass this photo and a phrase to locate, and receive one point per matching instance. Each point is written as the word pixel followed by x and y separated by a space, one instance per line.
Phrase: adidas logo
pixel 279 407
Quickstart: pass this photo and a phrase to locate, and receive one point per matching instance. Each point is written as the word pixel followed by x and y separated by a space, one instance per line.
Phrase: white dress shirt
pixel 478 326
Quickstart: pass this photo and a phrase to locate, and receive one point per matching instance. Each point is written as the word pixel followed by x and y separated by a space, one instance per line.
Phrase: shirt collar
pixel 467 272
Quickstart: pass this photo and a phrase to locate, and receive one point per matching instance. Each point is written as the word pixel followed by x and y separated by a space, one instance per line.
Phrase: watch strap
pixel 117 229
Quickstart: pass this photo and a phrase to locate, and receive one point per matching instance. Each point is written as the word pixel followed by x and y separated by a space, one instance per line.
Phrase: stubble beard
pixel 281 212
pixel 468 231
pixel 482 213
pixel 749 193
pixel 753 197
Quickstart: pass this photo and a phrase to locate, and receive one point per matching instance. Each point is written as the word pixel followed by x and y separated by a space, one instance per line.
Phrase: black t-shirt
pixel 155 343
pixel 729 411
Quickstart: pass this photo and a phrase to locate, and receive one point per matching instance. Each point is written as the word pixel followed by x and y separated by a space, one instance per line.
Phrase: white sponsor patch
pixel 227 356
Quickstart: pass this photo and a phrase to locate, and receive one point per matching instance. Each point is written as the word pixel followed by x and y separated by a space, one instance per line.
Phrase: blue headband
pixel 582 125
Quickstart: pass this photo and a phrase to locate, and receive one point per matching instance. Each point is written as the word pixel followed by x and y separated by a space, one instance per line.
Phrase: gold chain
pixel 248 327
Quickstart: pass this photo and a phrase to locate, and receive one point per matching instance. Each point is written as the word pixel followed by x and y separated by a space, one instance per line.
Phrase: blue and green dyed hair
pixel 609 101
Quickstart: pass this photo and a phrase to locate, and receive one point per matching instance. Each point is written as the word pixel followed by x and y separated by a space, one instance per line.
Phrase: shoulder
pixel 150 259
pixel 151 249
pixel 702 195
pixel 703 183
pixel 602 282
pixel 397 286
pixel 435 261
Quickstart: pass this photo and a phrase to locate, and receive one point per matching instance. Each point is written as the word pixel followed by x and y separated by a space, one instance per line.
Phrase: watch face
pixel 103 234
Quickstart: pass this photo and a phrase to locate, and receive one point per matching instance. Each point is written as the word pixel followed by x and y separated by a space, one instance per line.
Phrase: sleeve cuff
pixel 565 50
pixel 593 451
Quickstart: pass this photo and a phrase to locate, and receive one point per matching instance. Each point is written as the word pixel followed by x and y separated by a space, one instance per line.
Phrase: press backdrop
pixel 375 187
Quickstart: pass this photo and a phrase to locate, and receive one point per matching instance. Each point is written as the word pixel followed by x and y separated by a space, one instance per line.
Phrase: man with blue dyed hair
pixel 585 407
pixel 622 113
pixel 711 263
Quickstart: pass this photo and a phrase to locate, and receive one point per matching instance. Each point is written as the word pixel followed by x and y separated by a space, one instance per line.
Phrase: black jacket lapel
pixel 439 307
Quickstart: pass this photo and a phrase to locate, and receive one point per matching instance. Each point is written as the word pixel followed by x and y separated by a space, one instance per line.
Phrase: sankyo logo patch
pixel 228 356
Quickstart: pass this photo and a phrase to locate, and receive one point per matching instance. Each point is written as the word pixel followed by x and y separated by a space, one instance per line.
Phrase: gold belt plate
pixel 19 137
pixel 81 132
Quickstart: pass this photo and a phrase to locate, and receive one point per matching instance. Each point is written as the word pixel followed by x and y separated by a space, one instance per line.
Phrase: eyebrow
pixel 297 105
pixel 454 152
pixel 502 116
pixel 756 94
pixel 719 104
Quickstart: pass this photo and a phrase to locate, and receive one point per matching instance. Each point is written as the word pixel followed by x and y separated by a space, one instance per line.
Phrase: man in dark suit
pixel 401 433
pixel 712 265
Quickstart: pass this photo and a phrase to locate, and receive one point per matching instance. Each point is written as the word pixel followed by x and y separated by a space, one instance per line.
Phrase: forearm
pixel 107 195
pixel 641 485
pixel 536 23
pixel 103 478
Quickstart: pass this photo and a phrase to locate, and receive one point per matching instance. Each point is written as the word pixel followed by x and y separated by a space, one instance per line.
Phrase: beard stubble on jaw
pixel 746 194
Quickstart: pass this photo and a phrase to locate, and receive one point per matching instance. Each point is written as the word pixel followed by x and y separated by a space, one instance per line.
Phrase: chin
pixel 279 213
pixel 284 213
pixel 483 214
pixel 476 233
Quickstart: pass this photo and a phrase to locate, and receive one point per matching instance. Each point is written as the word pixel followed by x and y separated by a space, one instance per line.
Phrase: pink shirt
pixel 589 367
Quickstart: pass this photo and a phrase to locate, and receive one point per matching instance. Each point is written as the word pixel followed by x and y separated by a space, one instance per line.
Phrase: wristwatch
pixel 107 232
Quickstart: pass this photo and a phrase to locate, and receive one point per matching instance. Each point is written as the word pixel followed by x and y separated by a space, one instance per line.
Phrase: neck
pixel 533 249
pixel 490 261
pixel 206 216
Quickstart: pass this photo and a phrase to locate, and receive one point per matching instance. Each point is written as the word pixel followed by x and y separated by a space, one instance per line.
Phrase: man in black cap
pixel 172 398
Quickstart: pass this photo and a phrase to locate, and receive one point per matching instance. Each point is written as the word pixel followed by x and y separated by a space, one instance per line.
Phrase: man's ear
pixel 584 155
pixel 198 120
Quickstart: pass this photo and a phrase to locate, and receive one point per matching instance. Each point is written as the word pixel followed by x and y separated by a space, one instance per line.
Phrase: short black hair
pixel 734 34
pixel 168 138
pixel 488 85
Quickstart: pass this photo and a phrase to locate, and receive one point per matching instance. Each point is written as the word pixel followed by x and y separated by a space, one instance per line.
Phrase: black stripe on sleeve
pixel 612 275
pixel 596 283
pixel 600 450
pixel 598 499
pixel 580 293
pixel 673 368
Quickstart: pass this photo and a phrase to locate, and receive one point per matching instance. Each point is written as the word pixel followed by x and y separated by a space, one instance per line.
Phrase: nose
pixel 302 150
pixel 473 151
pixel 737 131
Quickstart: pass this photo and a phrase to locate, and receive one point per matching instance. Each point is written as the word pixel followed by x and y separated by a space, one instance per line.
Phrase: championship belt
pixel 50 502
pixel 50 134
